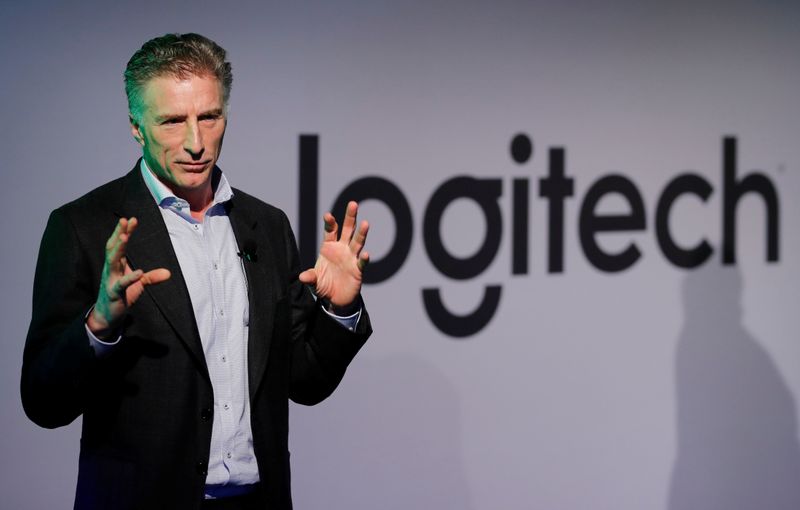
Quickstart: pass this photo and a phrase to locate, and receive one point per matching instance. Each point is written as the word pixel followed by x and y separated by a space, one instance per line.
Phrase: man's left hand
pixel 337 274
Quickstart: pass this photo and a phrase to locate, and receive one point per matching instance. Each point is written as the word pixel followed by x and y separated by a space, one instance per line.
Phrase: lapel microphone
pixel 249 251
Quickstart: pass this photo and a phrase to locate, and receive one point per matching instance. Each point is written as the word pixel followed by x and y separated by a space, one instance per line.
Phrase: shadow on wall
pixel 392 440
pixel 737 425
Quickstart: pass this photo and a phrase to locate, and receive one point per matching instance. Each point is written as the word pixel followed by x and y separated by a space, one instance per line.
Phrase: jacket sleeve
pixel 321 347
pixel 58 359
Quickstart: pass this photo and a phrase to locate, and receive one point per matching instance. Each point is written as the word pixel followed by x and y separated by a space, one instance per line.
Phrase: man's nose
pixel 193 141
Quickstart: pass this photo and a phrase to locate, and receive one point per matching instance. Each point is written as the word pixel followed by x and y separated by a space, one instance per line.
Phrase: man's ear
pixel 136 130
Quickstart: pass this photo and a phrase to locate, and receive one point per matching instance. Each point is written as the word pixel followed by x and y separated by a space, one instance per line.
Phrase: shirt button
pixel 228 455
pixel 222 312
pixel 226 406
pixel 224 359
pixel 215 266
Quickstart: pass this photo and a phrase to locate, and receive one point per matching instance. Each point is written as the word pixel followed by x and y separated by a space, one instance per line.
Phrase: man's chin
pixel 195 184
pixel 190 182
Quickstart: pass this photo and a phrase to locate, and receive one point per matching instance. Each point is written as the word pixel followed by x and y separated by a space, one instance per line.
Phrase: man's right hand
pixel 119 286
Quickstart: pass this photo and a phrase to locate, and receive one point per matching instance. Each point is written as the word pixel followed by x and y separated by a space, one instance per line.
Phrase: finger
pixel 155 276
pixel 349 221
pixel 126 281
pixel 132 224
pixel 135 290
pixel 363 260
pixel 330 227
pixel 309 276
pixel 112 240
pixel 359 238
pixel 116 257
pixel 117 243
pixel 126 227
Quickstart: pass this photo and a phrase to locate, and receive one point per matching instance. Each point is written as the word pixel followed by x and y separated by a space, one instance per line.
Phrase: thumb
pixel 134 292
pixel 155 276
pixel 309 276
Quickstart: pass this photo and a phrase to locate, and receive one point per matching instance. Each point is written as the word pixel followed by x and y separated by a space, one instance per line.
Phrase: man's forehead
pixel 170 91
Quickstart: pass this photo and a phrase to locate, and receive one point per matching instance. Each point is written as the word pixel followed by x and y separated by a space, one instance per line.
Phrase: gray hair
pixel 178 55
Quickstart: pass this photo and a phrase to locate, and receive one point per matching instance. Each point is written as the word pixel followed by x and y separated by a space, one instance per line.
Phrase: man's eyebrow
pixel 170 116
pixel 216 112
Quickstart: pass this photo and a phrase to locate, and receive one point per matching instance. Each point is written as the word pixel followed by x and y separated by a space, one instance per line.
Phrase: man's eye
pixel 171 121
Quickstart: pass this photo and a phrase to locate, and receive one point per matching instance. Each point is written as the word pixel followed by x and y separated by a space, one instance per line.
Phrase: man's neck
pixel 199 199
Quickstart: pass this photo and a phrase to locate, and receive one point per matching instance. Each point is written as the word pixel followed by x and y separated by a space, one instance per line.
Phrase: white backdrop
pixel 655 387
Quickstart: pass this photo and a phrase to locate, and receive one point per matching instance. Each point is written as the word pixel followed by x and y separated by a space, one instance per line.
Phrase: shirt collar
pixel 165 198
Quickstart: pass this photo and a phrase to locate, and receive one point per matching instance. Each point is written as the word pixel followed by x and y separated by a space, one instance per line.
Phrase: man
pixel 182 363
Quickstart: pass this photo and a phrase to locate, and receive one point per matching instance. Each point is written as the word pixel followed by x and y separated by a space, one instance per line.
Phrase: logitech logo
pixel 556 188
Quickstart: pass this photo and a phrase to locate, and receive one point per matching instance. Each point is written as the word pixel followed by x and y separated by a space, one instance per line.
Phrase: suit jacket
pixel 147 407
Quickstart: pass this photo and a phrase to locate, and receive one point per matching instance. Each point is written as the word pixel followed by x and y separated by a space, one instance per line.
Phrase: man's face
pixel 181 130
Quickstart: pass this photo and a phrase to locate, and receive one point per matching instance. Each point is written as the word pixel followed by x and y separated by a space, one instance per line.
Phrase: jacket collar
pixel 150 248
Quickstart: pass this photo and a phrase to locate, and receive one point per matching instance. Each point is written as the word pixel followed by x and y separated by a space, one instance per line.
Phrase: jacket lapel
pixel 149 248
pixel 257 262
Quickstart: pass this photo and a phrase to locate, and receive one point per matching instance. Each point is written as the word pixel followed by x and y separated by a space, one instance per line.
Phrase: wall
pixel 656 386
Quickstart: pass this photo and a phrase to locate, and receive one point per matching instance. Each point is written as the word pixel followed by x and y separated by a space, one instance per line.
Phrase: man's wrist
pixel 102 346
pixel 99 327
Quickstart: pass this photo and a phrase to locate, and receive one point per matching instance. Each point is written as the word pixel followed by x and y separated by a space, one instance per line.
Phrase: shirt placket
pixel 221 355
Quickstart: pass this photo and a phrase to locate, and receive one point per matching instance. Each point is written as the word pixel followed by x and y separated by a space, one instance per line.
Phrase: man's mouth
pixel 193 165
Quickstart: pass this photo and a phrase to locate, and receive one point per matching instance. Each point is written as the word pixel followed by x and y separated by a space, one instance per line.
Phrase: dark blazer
pixel 147 407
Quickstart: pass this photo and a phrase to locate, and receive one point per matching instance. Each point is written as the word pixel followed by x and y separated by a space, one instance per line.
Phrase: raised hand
pixel 120 287
pixel 337 274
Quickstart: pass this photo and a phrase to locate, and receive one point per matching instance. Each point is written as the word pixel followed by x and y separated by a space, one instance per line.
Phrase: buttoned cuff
pixel 350 322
